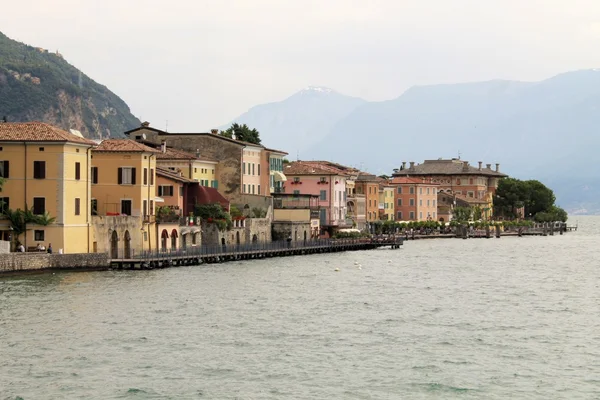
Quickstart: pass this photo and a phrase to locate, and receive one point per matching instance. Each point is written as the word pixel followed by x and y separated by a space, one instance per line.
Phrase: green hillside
pixel 37 85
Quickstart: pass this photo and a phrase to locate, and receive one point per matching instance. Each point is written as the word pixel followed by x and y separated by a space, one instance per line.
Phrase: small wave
pixel 438 387
pixel 135 390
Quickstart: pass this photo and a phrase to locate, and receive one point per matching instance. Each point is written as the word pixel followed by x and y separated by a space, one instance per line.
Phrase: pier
pixel 218 254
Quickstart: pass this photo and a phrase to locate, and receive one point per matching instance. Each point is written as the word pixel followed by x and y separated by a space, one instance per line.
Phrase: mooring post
pixel 488 233
pixel 498 231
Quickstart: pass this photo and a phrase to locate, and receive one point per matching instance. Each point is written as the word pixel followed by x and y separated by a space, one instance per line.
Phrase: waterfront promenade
pixel 216 254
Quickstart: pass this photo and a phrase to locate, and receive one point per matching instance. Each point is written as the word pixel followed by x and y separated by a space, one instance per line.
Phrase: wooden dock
pixel 218 254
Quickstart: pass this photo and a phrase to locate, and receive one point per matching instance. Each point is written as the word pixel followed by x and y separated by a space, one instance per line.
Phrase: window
pixel 427 190
pixel 244 168
pixel 427 203
pixel 126 176
pixel 165 190
pixel 213 171
pixel 253 187
pixel 411 202
pixel 41 149
pixel 94 206
pixel 412 190
pixel 470 194
pixel 420 203
pixel 322 179
pixel 151 206
pixel 180 191
pixel 94 174
pixel 470 181
pixel 39 205
pixel 77 171
pixel 126 207
pixel 145 176
pixel 399 202
pixel 252 168
pixel 258 169
pixel 244 188
pixel 196 170
pixel 434 203
pixel 38 235
pixel 77 206
pixel 323 195
pixel 258 192
pixel 145 207
pixel 420 190
pixel 458 181
pixel 151 176
pixel 399 215
pixel 39 169
pixel 296 179
pixel 4 169
pixel 399 190
pixel 296 193
pixel 412 215
pixel 4 204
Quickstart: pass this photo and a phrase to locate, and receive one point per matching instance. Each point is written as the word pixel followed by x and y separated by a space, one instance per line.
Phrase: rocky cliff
pixel 38 85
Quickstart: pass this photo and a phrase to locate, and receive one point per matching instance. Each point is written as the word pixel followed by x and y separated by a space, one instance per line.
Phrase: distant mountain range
pixel 545 130
pixel 37 85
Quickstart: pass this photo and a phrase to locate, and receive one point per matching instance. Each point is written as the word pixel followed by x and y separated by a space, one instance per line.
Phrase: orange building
pixel 415 199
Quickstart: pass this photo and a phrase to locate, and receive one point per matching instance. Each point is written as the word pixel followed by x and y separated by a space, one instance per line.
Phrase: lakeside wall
pixel 13 262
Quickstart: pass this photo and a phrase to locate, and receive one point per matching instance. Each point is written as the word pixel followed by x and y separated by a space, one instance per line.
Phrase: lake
pixel 478 318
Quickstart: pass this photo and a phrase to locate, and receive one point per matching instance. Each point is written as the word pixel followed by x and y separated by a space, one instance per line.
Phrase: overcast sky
pixel 200 63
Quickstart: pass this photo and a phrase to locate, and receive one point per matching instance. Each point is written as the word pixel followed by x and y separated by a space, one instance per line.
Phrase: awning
pixel 279 176
pixel 159 200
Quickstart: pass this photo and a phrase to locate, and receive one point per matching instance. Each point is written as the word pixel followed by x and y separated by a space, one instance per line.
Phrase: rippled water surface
pixel 495 319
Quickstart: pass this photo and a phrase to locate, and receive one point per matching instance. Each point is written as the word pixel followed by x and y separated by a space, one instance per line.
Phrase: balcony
pixel 279 189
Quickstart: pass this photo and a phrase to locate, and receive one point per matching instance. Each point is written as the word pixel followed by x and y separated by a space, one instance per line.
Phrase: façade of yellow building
pixel 46 170
pixel 194 167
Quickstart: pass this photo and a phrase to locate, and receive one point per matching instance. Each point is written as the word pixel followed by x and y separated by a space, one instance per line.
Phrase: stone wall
pixel 38 261
pixel 246 202
pixel 127 233
pixel 296 230
pixel 225 151
pixel 253 230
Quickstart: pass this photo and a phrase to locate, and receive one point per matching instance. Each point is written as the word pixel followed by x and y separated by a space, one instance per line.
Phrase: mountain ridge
pixel 37 85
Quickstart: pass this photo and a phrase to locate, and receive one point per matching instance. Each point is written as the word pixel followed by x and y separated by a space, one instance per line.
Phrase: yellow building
pixel 123 178
pixel 195 167
pixel 386 197
pixel 46 170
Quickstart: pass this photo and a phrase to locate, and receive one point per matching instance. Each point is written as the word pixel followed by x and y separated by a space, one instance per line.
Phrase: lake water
pixel 437 319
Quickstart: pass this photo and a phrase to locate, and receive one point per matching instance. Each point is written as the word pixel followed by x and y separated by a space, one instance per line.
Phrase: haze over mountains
pixel 543 130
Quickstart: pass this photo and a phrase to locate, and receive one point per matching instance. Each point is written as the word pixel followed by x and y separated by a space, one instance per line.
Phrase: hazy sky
pixel 199 63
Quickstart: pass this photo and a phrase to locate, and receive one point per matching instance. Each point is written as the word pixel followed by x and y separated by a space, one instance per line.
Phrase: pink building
pixel 328 183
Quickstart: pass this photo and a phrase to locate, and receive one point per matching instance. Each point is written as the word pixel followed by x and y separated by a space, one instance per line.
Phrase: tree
pixel 462 214
pixel 532 195
pixel 243 133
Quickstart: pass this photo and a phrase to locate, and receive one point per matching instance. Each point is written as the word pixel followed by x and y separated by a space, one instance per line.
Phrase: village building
pixel 46 171
pixel 414 199
pixel 456 176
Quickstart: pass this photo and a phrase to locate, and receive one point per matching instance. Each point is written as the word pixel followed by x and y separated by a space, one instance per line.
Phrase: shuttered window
pixel 39 169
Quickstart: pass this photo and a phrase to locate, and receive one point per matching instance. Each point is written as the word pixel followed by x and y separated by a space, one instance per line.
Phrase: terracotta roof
pixel 208 195
pixel 447 167
pixel 339 168
pixel 302 168
pixel 364 177
pixel 38 132
pixel 123 145
pixel 217 136
pixel 471 200
pixel 167 173
pixel 277 151
pixel 403 180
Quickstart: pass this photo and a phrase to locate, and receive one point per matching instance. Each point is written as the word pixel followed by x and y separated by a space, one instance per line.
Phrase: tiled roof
pixel 302 168
pixel 339 168
pixel 364 177
pixel 217 136
pixel 277 151
pixel 471 200
pixel 37 132
pixel 403 180
pixel 208 195
pixel 447 167
pixel 123 145
pixel 167 173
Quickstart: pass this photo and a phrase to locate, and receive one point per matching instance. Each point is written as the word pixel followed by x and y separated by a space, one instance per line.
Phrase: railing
pixel 216 250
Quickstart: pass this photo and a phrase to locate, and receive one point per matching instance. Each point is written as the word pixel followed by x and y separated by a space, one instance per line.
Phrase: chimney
pixel 163 146
pixel 214 131
pixel 403 164
pixel 145 124
pixel 480 163
pixel 465 165
pixel 488 166
pixel 497 167
pixel 412 165
pixel 197 153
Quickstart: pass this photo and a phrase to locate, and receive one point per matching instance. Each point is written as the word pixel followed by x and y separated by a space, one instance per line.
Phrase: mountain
pixel 545 130
pixel 301 120
pixel 36 85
